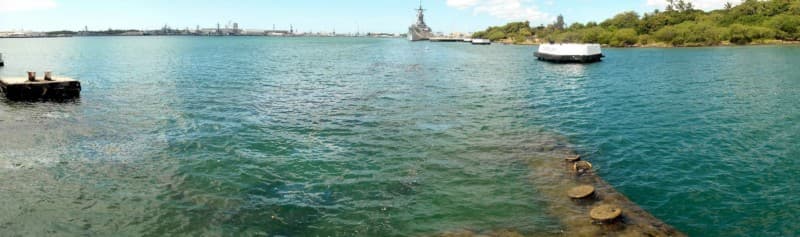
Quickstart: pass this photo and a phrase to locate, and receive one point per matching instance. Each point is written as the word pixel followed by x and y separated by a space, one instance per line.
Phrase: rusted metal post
pixel 31 76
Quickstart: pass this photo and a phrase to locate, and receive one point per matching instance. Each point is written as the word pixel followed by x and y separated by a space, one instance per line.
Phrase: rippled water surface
pixel 382 137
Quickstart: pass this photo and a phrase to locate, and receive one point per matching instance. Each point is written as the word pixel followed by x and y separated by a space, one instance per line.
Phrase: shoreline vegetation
pixel 752 22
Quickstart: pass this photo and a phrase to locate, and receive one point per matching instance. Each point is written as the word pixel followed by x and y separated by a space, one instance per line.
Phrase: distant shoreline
pixel 723 44
pixel 209 36
pixel 503 42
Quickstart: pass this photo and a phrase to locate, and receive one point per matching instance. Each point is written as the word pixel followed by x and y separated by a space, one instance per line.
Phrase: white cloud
pixel 26 5
pixel 503 9
pixel 698 4
pixel 462 4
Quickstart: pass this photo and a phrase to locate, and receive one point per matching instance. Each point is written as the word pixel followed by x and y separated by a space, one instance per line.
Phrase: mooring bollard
pixel 48 76
pixel 581 192
pixel 31 76
pixel 573 158
pixel 605 213
pixel 582 167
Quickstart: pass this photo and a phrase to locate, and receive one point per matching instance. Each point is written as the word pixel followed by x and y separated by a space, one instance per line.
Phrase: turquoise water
pixel 197 136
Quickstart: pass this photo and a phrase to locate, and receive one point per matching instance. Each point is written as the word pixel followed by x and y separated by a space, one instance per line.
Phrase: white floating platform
pixel 570 53
pixel 481 41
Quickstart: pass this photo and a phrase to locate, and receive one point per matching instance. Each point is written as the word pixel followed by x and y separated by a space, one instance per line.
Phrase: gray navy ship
pixel 420 31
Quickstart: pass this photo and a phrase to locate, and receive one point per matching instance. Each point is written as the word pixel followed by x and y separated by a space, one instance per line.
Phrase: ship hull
pixel 417 35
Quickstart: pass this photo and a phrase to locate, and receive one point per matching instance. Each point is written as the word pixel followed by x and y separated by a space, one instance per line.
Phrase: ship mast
pixel 420 15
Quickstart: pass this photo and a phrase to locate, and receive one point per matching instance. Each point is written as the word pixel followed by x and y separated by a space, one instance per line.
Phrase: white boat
pixel 570 53
pixel 481 41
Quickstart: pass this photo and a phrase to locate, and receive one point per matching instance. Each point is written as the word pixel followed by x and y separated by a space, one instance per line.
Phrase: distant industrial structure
pixel 229 29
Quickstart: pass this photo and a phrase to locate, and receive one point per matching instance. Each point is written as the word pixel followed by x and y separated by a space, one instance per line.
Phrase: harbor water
pixel 218 136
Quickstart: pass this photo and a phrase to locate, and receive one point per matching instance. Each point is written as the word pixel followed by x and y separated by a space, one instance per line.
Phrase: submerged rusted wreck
pixel 46 88
pixel 610 213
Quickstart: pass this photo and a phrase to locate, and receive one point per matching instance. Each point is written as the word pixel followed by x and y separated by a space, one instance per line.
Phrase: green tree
pixel 644 39
pixel 624 37
pixel 680 25
pixel 576 26
pixel 593 35
pixel 628 19
pixel 739 34
pixel 788 25
pixel 495 35
pixel 570 37
pixel 743 34
pixel 666 34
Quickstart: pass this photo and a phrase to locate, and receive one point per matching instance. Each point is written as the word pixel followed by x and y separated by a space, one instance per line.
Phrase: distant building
pixel 381 35
pixel 132 33
pixel 25 34
pixel 460 35
pixel 276 32
pixel 236 30
pixel 208 31
pixel 219 31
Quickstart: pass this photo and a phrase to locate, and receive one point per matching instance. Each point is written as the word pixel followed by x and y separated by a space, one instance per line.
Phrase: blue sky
pixel 308 15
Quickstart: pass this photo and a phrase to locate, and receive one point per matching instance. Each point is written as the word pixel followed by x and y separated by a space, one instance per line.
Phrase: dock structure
pixel 55 89
pixel 446 39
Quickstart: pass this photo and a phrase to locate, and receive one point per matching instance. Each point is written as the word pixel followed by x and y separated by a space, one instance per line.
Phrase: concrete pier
pixel 446 39
pixel 23 89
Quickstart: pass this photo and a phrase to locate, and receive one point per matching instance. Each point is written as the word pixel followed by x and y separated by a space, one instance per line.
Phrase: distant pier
pixel 446 39
pixel 461 40
pixel 55 89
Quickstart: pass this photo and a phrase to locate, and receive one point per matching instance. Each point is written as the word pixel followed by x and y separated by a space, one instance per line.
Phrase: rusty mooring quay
pixel 54 88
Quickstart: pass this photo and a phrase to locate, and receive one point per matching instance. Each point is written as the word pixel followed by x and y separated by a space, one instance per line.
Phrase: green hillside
pixel 751 21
